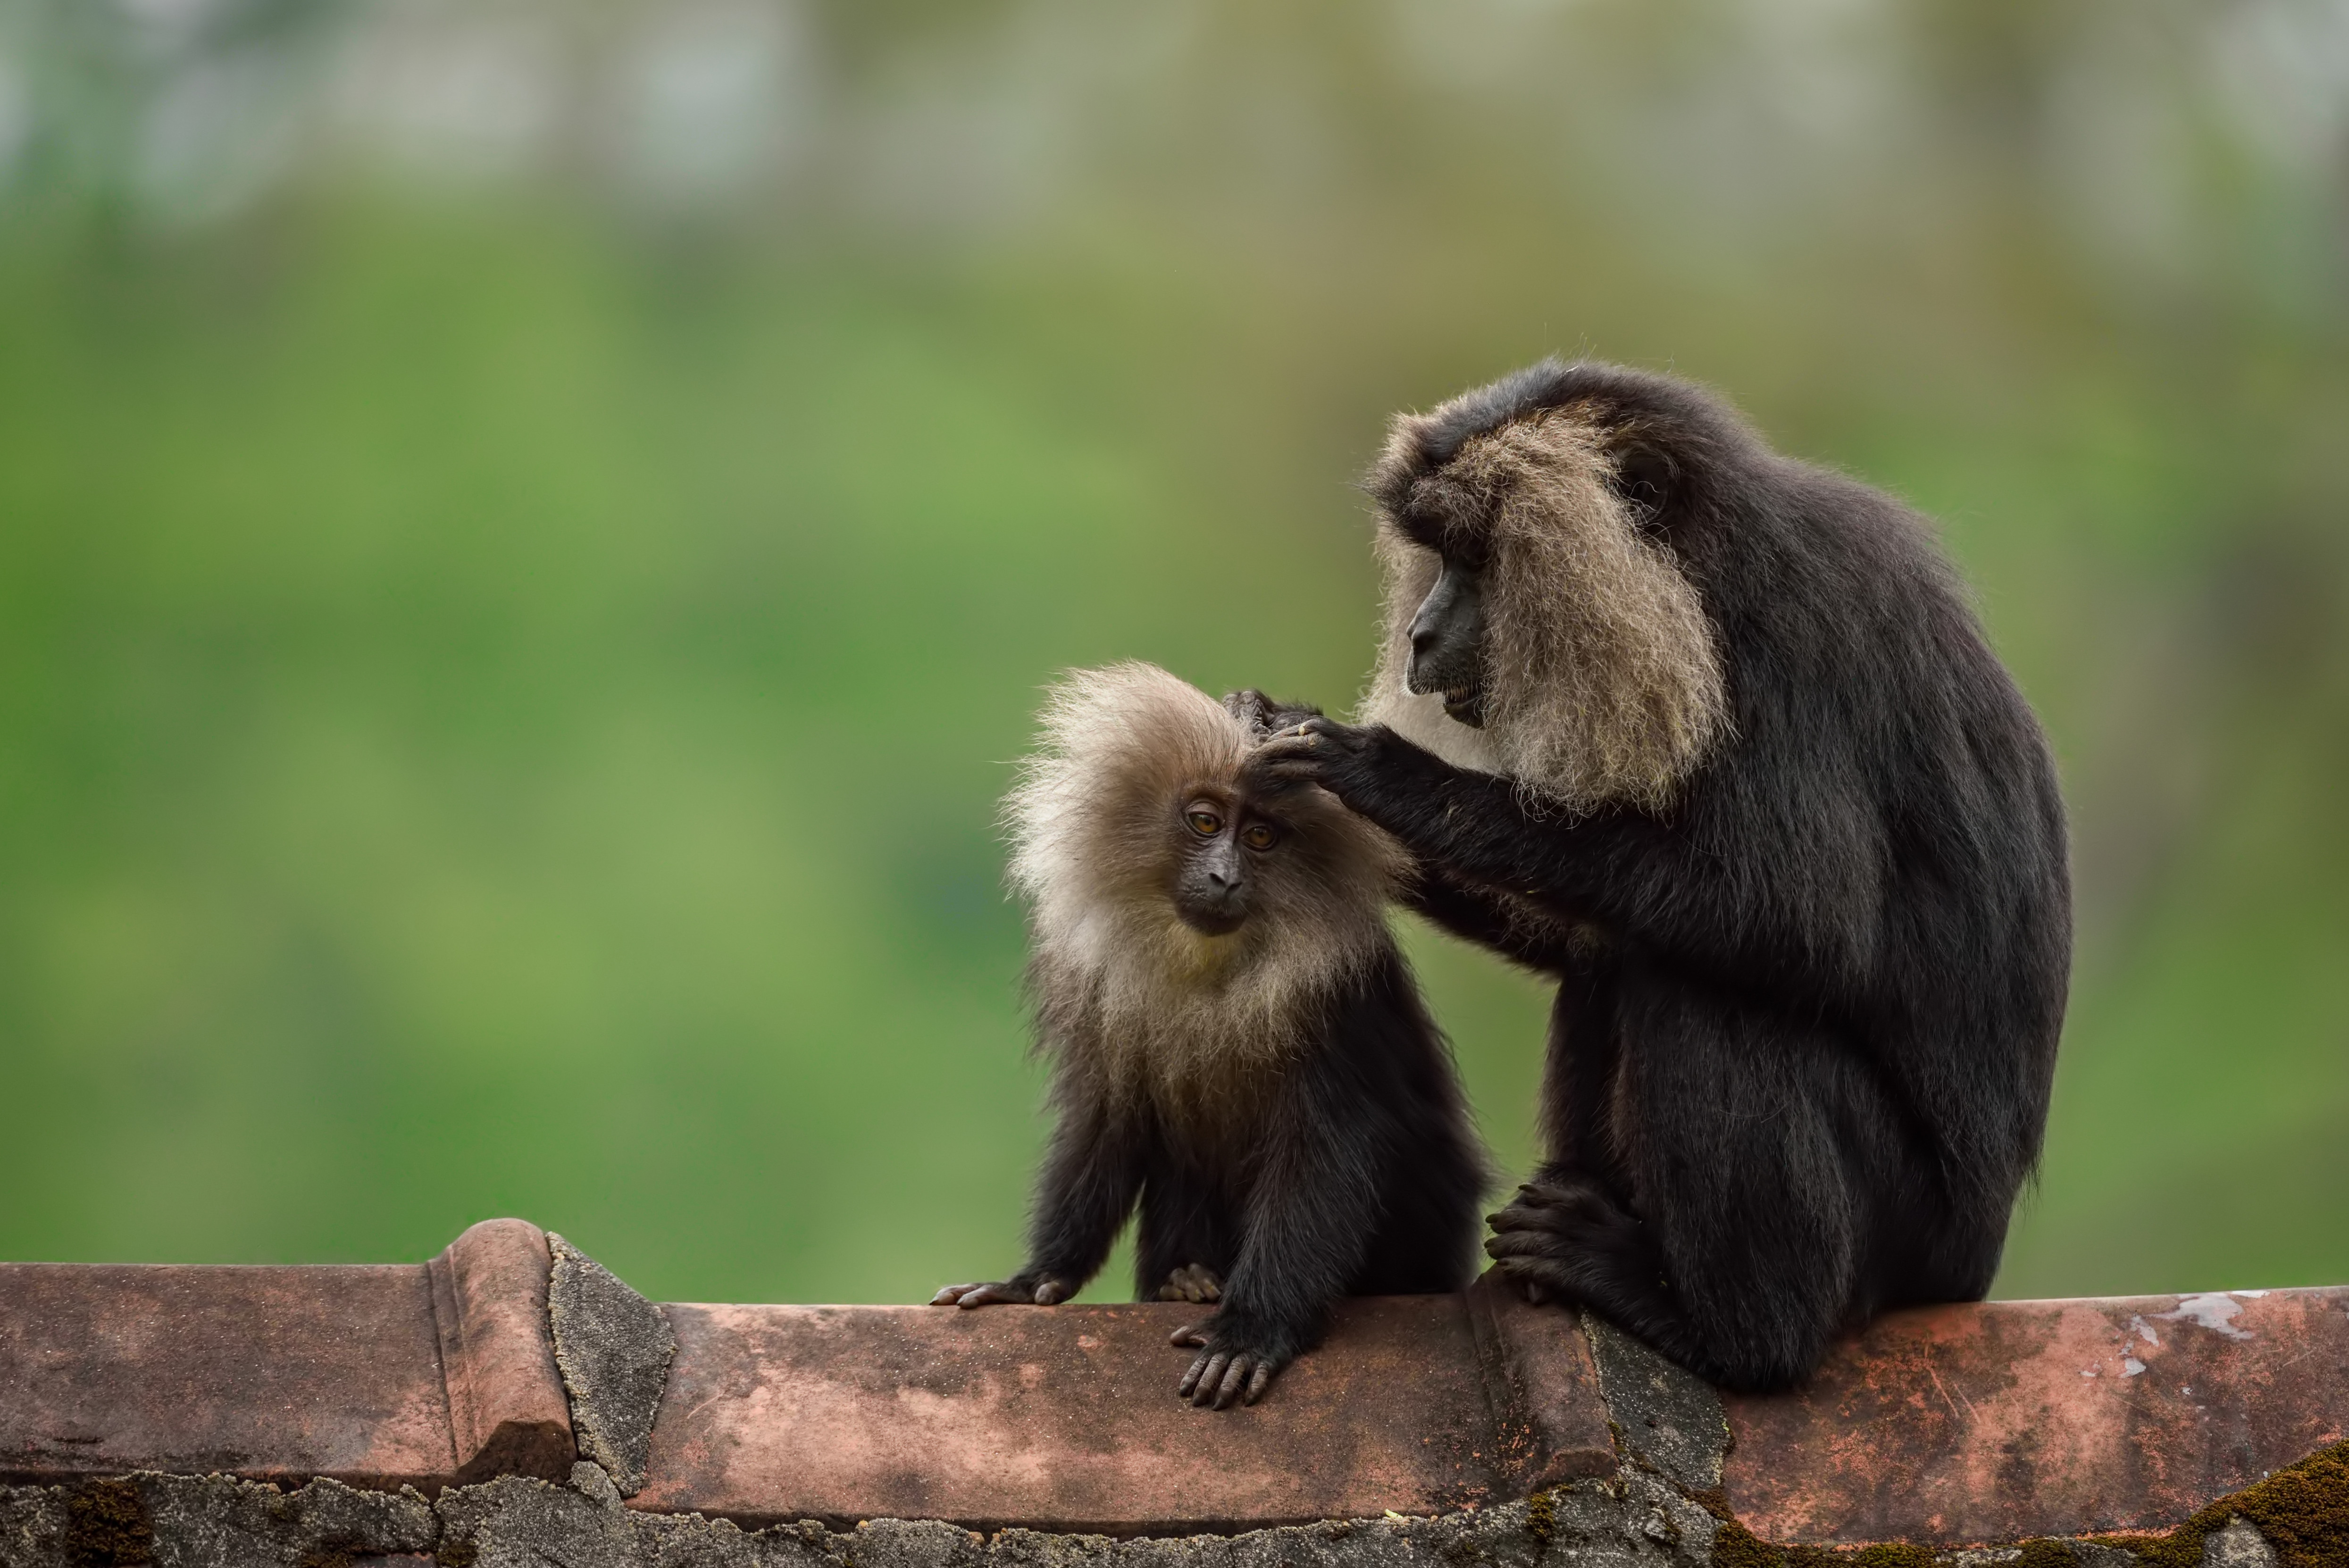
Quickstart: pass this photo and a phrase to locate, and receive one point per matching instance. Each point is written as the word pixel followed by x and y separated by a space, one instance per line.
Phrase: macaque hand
pixel 1020 1290
pixel 1263 715
pixel 1340 758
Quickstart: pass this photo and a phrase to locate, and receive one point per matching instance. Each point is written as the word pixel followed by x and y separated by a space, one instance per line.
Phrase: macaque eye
pixel 1260 836
pixel 1206 824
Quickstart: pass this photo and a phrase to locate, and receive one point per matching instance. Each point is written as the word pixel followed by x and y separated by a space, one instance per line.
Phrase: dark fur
pixel 1808 1010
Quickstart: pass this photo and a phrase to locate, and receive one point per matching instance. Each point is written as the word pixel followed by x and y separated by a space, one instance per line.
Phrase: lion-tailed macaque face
pixel 1447 641
pixel 1222 842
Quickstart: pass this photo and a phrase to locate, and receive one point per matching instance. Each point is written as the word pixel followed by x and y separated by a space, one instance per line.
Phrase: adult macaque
pixel 1711 736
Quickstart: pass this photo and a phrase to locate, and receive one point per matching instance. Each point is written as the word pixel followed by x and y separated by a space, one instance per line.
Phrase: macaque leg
pixel 1307 1230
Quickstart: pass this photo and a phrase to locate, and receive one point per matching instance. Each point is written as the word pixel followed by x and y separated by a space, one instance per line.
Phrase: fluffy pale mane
pixel 1603 674
pixel 1118 977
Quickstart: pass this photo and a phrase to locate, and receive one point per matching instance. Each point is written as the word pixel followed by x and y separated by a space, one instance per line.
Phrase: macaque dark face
pixel 1447 641
pixel 1221 841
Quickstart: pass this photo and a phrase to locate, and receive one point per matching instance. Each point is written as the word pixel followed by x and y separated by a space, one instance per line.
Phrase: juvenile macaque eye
pixel 1206 824
pixel 1260 837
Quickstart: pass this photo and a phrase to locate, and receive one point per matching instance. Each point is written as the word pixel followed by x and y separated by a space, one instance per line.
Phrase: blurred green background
pixel 530 533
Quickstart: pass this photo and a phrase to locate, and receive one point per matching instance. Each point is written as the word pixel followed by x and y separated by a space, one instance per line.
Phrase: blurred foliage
pixel 529 535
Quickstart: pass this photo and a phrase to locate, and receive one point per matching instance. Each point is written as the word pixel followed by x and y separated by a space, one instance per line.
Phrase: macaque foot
pixel 1564 1237
pixel 1234 1364
pixel 1021 1290
pixel 1193 1283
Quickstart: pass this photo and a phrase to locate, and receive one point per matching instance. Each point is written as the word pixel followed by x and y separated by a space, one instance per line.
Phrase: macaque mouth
pixel 1463 700
pixel 1210 920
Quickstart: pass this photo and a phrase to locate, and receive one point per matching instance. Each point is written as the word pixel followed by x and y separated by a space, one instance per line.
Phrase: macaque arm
pixel 1480 915
pixel 1092 1175
pixel 1709 900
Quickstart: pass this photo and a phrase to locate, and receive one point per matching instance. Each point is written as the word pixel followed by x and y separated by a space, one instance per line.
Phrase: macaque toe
pixel 1541 1279
pixel 1193 1282
pixel 1222 1376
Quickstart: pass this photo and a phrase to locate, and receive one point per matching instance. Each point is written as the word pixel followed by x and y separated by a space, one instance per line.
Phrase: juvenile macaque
pixel 1237 1045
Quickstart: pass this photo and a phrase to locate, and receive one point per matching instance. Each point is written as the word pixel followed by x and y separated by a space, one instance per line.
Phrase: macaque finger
pixel 1290 746
pixel 1050 1293
pixel 1531 1196
pixel 1235 1379
pixel 1282 774
pixel 951 1296
pixel 1250 707
pixel 1258 1381
pixel 1284 778
pixel 1190 1335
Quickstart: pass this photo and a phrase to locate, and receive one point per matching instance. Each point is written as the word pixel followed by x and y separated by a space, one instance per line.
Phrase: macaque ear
pixel 1645 479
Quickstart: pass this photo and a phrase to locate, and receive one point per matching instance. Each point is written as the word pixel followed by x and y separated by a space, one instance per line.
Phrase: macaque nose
pixel 1423 638
pixel 1427 630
